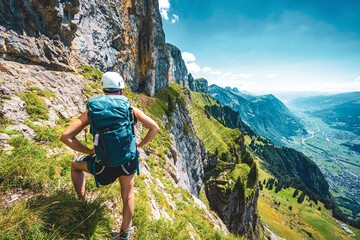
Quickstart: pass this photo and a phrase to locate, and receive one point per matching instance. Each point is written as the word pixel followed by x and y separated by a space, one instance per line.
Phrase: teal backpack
pixel 111 124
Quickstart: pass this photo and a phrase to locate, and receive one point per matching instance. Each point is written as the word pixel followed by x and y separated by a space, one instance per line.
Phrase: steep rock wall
pixel 190 152
pixel 38 31
pixel 202 85
pixel 239 215
pixel 119 35
pixel 177 70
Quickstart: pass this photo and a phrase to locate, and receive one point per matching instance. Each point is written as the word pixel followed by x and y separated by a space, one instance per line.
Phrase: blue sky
pixel 268 46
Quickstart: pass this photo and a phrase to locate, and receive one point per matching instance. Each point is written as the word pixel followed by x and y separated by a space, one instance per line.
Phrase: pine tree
pixel 296 192
pixel 301 197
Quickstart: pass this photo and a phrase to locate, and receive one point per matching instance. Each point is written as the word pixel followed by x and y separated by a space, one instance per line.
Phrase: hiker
pixel 112 85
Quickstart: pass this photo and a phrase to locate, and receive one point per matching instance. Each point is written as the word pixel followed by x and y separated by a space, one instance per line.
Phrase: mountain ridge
pixel 267 115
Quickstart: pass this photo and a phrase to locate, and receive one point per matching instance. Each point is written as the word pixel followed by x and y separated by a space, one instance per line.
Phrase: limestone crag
pixel 190 152
pixel 172 168
pixel 239 214
pixel 191 81
pixel 124 36
pixel 39 31
pixel 202 85
pixel 127 37
pixel 177 70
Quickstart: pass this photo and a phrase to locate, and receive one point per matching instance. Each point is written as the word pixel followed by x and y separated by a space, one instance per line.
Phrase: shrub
pixel 301 197
pixel 49 135
pixel 296 192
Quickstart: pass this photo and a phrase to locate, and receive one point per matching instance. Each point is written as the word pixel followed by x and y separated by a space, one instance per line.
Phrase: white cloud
pixel 271 75
pixel 192 67
pixel 242 75
pixel 188 57
pixel 175 18
pixel 358 79
pixel 164 14
pixel 216 72
pixel 206 69
pixel 164 6
pixel 227 74
pixel 189 60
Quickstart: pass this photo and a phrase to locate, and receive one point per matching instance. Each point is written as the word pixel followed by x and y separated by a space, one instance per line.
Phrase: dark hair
pixel 114 91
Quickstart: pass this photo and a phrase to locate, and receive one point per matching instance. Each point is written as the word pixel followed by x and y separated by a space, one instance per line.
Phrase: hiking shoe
pixel 125 235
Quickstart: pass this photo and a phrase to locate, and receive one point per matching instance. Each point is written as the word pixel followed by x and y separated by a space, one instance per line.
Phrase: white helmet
pixel 112 81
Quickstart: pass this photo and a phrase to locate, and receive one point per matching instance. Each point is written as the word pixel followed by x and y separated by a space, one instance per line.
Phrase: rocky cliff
pixel 190 152
pixel 124 36
pixel 202 85
pixel 178 71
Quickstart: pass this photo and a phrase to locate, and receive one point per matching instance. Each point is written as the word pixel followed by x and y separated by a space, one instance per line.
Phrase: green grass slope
pixel 289 219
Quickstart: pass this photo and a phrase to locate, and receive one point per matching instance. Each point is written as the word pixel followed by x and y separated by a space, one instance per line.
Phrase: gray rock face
pixel 124 36
pixel 240 217
pixel 69 101
pixel 177 70
pixel 202 85
pixel 192 84
pixel 190 152
pixel 39 31
pixel 127 37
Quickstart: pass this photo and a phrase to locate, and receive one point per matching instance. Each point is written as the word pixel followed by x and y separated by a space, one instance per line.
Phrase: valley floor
pixel 329 149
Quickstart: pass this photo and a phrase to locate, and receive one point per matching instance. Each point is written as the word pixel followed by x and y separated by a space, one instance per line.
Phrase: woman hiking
pixel 112 85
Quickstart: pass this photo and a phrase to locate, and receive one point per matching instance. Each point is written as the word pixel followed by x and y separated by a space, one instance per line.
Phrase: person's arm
pixel 69 135
pixel 147 122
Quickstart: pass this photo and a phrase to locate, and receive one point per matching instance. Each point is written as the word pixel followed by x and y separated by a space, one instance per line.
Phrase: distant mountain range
pixel 266 114
pixel 341 111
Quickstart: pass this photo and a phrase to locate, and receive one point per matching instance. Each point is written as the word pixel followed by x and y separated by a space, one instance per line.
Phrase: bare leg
pixel 127 195
pixel 78 178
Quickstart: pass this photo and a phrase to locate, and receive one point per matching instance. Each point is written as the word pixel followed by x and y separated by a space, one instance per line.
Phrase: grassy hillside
pixel 290 167
pixel 223 142
pixel 287 218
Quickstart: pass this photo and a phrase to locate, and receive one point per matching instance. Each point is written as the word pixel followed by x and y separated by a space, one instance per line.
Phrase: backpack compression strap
pixel 95 176
pixel 137 163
